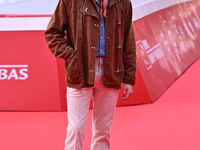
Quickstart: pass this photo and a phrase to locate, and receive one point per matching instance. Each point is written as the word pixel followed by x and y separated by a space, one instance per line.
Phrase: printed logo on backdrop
pixel 13 72
pixel 149 54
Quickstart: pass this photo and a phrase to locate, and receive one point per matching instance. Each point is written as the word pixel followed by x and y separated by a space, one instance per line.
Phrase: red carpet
pixel 171 123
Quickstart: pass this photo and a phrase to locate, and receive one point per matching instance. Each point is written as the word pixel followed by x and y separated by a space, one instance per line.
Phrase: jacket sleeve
pixel 129 49
pixel 55 33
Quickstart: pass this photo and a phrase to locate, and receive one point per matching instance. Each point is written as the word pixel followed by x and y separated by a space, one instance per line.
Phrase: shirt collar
pixel 98 2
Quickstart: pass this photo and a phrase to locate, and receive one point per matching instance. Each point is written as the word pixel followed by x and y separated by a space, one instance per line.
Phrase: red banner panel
pixel 167 43
pixel 28 74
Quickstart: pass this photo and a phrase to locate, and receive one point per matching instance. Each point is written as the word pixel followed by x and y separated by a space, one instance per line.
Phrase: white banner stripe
pixel 24 23
pixel 150 7
pixel 10 1
pixel 13 66
pixel 40 23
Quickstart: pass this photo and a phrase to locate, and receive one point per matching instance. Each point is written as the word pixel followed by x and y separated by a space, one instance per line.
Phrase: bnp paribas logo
pixel 13 72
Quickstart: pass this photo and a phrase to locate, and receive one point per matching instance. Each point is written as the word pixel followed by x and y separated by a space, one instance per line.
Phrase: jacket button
pixel 108 37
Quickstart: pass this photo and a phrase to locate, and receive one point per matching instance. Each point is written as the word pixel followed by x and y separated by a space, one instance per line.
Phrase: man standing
pixel 96 40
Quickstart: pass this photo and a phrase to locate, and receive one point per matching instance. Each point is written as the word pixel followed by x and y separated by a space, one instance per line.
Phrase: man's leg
pixel 105 100
pixel 78 102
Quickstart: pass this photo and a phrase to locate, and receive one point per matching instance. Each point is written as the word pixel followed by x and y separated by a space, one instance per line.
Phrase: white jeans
pixel 104 104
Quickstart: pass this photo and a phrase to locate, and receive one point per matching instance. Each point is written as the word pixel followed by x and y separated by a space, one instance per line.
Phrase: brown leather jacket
pixel 80 22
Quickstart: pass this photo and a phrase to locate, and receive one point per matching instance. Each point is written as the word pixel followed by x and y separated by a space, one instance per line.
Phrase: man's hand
pixel 127 91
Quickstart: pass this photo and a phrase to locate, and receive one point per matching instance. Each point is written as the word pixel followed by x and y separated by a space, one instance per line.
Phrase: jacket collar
pixel 112 2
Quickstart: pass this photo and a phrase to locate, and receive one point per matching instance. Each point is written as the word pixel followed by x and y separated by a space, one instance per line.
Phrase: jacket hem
pixel 79 86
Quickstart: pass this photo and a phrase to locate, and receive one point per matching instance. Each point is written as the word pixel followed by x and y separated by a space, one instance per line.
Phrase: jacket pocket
pixel 73 71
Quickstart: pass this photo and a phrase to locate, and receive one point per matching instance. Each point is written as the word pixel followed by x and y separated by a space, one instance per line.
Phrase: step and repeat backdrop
pixel 31 79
